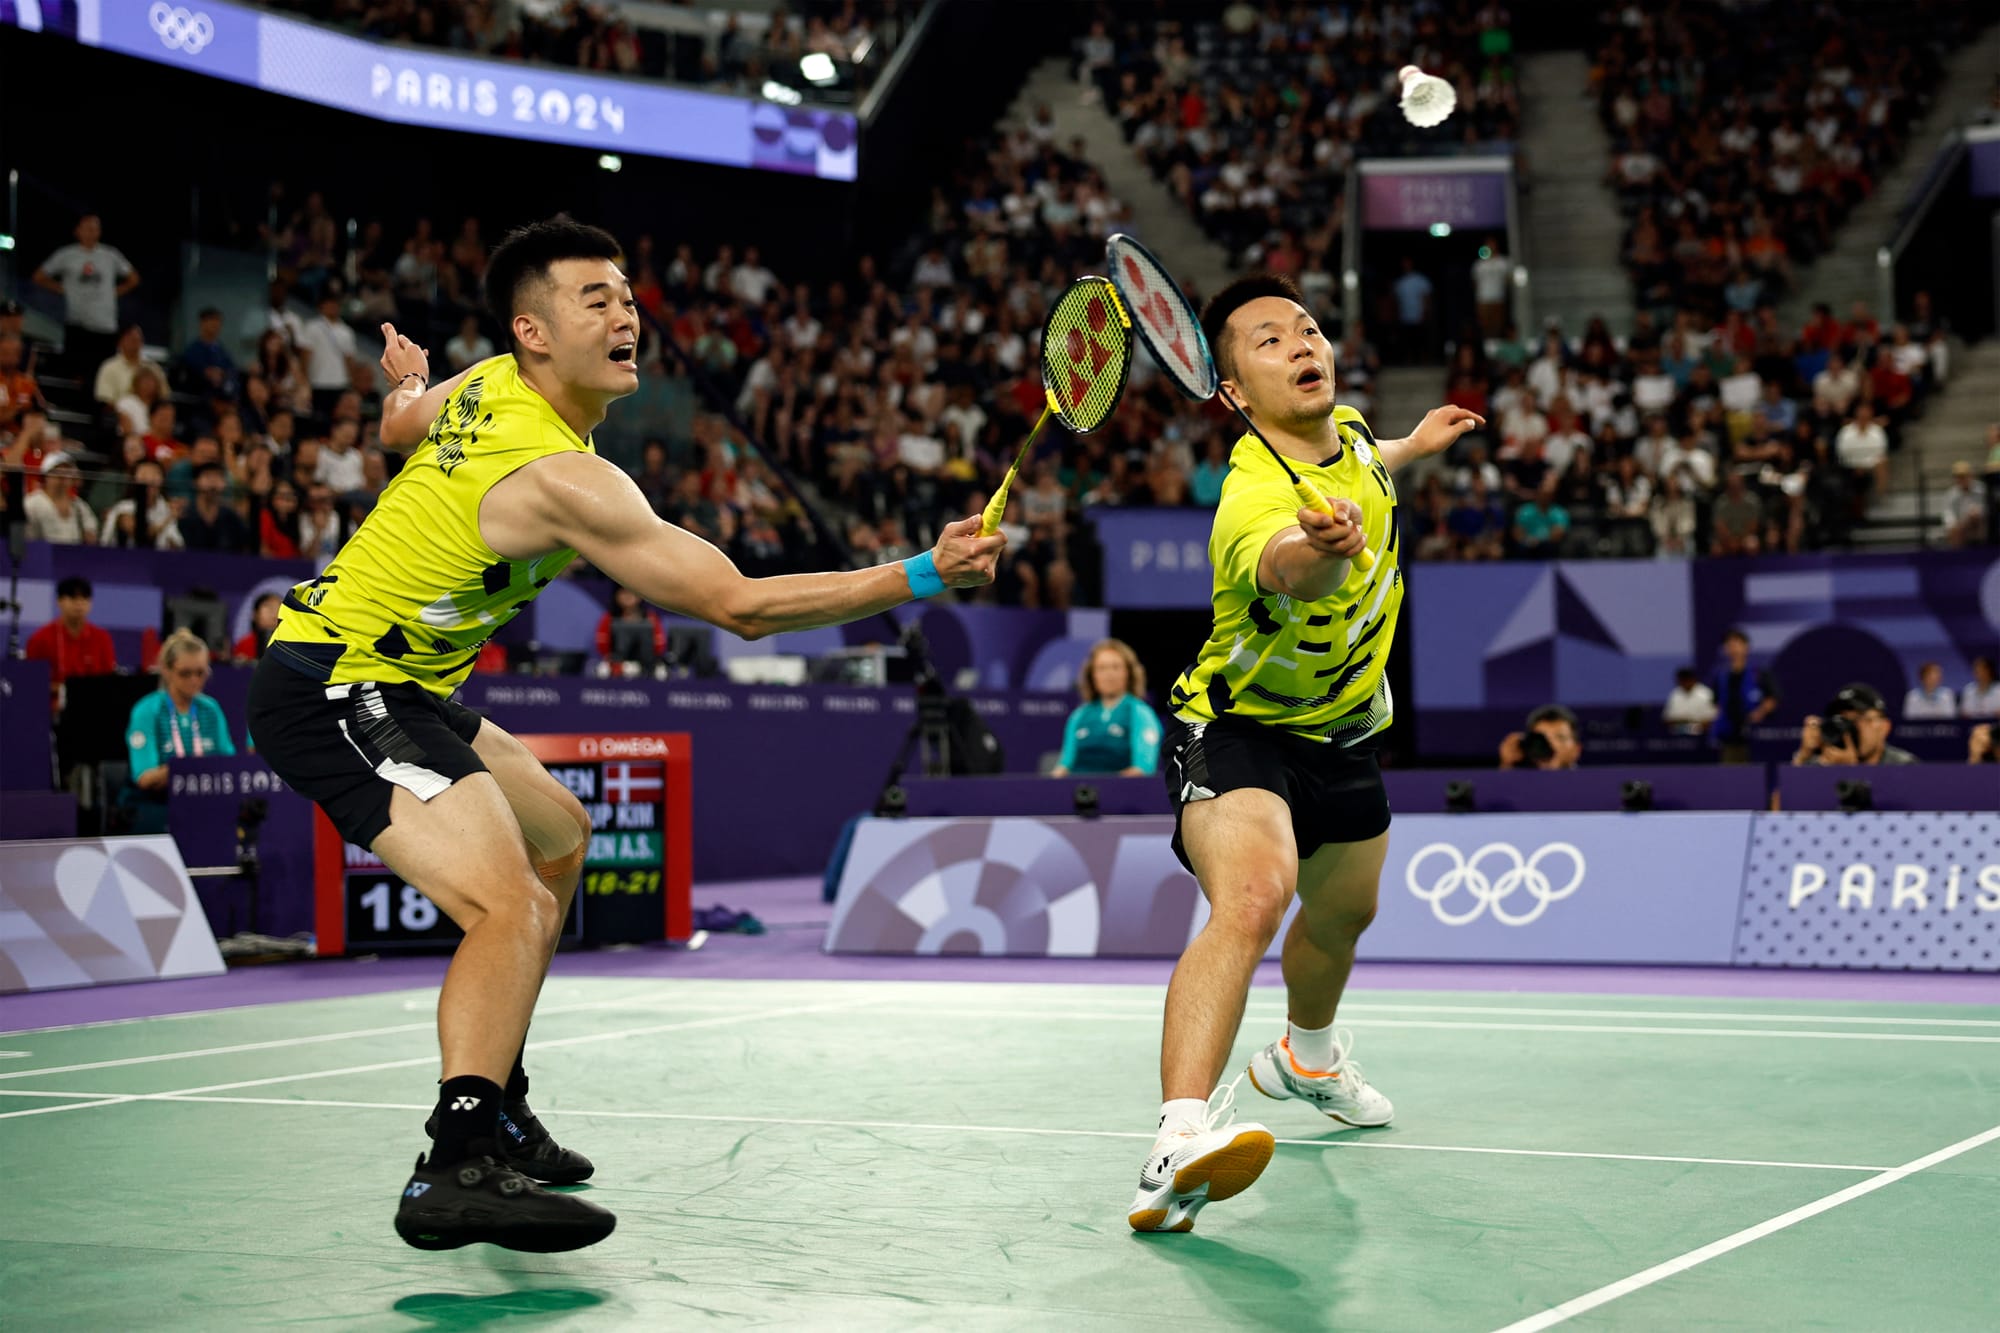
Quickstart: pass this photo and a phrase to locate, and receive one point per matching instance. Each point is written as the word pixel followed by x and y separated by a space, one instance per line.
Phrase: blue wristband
pixel 922 573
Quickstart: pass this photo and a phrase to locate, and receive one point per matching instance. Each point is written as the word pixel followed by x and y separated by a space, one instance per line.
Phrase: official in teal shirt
pixel 177 721
pixel 1115 731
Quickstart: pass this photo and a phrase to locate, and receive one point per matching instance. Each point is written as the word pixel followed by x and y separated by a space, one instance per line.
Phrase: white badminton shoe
pixel 1190 1168
pixel 1340 1092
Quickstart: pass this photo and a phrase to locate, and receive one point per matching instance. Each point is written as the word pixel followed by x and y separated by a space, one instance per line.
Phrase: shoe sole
pixel 1211 1178
pixel 531 1238
pixel 552 1175
pixel 1251 1070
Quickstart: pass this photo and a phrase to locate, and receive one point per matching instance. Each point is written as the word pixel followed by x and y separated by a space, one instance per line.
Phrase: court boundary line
pixel 322 1037
pixel 1338 1141
pixel 1625 1286
pixel 1619 1029
pixel 723 1020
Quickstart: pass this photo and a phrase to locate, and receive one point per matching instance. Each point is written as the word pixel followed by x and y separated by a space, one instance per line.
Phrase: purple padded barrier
pixel 1905 787
pixel 37 814
pixel 1421 791
pixel 1011 794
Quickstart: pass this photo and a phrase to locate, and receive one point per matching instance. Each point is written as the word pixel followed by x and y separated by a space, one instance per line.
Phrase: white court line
pixel 785 1121
pixel 1153 1016
pixel 533 1046
pixel 1626 1286
pixel 1366 1007
pixel 355 1034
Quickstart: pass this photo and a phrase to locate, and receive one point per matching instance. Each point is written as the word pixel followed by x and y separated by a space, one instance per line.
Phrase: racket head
pixel 1164 318
pixel 1086 354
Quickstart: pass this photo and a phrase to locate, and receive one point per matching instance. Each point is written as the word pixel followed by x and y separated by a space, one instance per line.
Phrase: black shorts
pixel 1335 792
pixel 348 747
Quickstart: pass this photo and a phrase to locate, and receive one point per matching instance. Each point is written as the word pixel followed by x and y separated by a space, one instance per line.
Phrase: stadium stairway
pixel 1847 273
pixel 1574 229
pixel 1951 430
pixel 1158 219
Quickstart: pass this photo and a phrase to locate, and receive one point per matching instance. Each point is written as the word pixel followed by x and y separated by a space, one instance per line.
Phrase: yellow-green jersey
pixel 416 592
pixel 1314 669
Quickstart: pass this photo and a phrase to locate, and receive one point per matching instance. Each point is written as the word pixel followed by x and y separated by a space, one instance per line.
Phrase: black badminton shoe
pixel 483 1199
pixel 527 1146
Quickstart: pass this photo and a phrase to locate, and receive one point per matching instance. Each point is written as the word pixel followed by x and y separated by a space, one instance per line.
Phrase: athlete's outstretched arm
pixel 582 501
pixel 1309 562
pixel 1437 432
pixel 412 405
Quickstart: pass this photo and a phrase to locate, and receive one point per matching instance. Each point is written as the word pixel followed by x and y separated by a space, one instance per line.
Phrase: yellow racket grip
pixel 996 508
pixel 1310 497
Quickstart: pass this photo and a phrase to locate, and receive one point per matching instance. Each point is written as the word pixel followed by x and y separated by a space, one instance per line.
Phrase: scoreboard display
pixel 637 880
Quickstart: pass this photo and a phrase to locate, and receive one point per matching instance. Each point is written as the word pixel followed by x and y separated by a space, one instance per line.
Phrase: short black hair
pixel 1250 287
pixel 76 585
pixel 1736 632
pixel 523 259
pixel 207 468
pixel 1551 713
pixel 209 312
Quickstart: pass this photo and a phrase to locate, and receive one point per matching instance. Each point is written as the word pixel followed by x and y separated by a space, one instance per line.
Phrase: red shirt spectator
pixel 70 644
pixel 1890 387
pixel 1822 333
pixel 625 605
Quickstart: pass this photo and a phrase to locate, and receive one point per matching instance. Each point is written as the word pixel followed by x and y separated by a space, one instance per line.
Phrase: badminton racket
pixel 1086 353
pixel 1167 323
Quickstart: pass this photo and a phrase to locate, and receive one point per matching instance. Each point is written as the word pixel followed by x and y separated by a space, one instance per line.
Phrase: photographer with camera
pixel 1855 732
pixel 1549 742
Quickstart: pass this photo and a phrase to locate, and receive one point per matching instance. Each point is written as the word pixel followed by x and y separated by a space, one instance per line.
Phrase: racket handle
pixel 996 508
pixel 1310 497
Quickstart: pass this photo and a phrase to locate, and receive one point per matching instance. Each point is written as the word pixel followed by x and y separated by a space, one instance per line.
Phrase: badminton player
pixel 351 703
pixel 1267 750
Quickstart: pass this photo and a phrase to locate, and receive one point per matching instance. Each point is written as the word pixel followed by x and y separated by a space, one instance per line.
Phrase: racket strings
pixel 1165 318
pixel 1086 352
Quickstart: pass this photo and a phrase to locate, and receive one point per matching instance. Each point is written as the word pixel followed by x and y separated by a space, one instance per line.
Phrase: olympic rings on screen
pixel 181 29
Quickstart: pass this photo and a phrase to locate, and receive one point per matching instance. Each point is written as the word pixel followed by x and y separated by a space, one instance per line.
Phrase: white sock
pixel 1182 1113
pixel 1313 1048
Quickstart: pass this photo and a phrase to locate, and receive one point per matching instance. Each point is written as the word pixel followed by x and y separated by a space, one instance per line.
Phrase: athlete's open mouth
pixel 1308 377
pixel 624 352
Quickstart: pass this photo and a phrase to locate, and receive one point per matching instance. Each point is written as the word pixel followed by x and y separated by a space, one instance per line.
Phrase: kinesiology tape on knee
pixel 563 866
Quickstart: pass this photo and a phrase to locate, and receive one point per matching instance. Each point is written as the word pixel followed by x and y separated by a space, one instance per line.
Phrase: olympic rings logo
pixel 181 29
pixel 1493 891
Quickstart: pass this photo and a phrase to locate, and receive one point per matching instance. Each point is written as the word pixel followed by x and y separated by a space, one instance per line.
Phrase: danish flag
pixel 623 784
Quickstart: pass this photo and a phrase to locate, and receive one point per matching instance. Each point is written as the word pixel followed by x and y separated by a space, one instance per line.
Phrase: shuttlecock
pixel 1427 99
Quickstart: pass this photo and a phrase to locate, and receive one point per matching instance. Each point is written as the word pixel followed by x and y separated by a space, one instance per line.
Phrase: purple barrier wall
pixel 1906 787
pixel 1025 795
pixel 1894 891
pixel 1422 791
pixel 1411 791
pixel 205 799
pixel 777 771
pixel 24 726
pixel 1885 891
pixel 1660 888
pixel 1490 642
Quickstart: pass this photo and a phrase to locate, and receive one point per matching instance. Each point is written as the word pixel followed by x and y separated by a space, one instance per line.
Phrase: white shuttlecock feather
pixel 1427 99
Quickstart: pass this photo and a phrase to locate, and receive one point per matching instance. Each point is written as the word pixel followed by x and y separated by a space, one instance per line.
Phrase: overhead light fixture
pixel 6 241
pixel 1440 229
pixel 610 161
pixel 779 93
pixel 817 67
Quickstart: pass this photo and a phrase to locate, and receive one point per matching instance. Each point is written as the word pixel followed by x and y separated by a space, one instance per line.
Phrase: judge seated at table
pixel 1115 730
pixel 177 721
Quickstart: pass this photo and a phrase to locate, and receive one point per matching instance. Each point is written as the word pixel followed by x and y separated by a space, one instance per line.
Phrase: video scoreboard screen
pixel 637 879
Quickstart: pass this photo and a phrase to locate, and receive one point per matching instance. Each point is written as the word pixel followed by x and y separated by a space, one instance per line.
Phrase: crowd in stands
pixel 1742 136
pixel 1733 437
pixel 732 48
pixel 1253 117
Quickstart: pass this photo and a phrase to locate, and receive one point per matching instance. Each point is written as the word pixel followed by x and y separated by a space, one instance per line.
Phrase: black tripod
pixel 929 737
